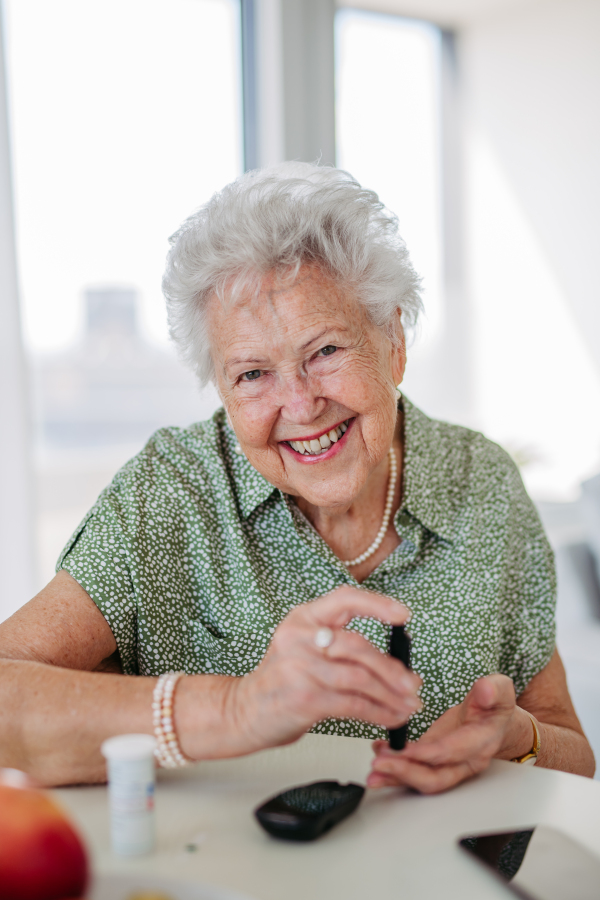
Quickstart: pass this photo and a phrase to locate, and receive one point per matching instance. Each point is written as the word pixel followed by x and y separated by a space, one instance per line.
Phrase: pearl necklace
pixel 387 512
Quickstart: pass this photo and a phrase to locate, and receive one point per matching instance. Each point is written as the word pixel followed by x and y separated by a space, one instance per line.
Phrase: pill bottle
pixel 131 768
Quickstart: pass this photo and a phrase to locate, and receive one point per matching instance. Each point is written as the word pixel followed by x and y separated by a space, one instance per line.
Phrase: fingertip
pixel 401 614
pixel 375 780
pixel 428 756
pixel 382 749
pixel 484 691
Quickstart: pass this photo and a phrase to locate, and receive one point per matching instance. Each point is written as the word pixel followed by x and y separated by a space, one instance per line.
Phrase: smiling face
pixel 304 363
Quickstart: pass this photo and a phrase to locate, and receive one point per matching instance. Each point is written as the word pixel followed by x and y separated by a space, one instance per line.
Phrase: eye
pixel 328 350
pixel 251 376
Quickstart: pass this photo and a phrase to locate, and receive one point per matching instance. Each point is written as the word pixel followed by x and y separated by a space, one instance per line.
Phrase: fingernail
pixel 373 781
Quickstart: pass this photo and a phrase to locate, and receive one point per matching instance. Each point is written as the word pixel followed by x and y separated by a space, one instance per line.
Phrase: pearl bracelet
pixel 168 752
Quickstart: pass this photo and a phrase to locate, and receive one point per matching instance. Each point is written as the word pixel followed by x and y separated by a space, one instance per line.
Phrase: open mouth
pixel 322 444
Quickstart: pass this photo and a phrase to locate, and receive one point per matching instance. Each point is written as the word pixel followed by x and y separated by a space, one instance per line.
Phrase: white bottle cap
pixel 128 747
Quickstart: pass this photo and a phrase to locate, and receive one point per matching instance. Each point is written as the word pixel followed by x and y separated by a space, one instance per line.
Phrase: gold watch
pixel 530 758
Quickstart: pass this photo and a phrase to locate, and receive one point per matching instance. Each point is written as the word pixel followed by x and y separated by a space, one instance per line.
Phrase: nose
pixel 299 402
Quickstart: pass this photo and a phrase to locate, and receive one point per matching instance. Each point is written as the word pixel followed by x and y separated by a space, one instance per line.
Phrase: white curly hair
pixel 277 219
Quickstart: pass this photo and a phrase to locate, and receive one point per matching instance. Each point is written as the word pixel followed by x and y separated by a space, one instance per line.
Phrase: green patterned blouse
pixel 194 559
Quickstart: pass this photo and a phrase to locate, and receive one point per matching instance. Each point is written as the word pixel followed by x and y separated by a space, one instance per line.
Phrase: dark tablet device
pixel 400 649
pixel 538 863
pixel 303 813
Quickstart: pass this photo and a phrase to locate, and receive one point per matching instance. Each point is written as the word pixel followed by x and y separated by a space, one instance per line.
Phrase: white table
pixel 397 844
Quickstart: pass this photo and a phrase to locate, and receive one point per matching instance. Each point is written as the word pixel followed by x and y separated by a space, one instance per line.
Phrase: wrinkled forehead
pixel 283 309
pixel 265 289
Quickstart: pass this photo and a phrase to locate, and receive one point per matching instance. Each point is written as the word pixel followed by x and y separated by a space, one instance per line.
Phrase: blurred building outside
pixel 96 404
pixel 130 150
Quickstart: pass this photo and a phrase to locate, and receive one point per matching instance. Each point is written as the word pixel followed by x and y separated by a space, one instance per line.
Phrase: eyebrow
pixel 243 361
pixel 316 338
pixel 260 361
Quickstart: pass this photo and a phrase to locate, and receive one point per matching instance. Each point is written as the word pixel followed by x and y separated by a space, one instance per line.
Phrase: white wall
pixel 531 81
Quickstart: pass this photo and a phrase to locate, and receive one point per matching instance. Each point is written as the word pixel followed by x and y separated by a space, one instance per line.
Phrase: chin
pixel 331 496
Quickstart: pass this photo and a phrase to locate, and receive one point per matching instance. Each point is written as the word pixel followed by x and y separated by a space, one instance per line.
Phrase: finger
pixel 379 780
pixel 353 706
pixel 348 678
pixel 345 603
pixel 420 777
pixel 396 762
pixel 490 694
pixel 382 748
pixel 484 693
pixel 382 779
pixel 352 647
pixel 348 646
pixel 424 785
pixel 466 743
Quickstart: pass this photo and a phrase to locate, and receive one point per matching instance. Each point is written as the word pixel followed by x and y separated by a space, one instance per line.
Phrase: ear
pixel 398 350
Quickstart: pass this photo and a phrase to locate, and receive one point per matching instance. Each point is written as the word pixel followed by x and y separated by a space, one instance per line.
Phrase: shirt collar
pixel 252 488
pixel 431 465
pixel 433 472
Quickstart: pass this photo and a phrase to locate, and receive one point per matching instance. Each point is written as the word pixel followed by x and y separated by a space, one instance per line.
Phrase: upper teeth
pixel 319 445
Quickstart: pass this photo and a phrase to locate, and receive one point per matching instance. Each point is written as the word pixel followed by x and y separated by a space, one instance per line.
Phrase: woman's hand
pixel 298 683
pixel 462 742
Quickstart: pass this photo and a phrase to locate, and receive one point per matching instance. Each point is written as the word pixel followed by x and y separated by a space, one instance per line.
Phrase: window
pixel 531 380
pixel 126 115
pixel 387 133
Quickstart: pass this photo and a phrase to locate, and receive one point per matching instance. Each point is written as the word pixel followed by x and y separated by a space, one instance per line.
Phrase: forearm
pixel 53 720
pixel 565 749
pixel 561 748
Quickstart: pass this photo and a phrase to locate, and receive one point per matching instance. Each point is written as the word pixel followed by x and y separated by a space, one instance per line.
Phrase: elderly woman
pixel 266 552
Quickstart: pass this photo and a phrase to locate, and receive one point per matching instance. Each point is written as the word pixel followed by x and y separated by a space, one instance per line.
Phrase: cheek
pixel 364 385
pixel 252 421
pixel 367 388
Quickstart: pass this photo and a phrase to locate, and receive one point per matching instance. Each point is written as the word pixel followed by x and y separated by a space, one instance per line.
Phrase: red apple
pixel 41 855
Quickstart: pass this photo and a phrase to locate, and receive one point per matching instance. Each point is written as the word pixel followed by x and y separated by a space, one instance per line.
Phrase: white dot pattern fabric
pixel 194 559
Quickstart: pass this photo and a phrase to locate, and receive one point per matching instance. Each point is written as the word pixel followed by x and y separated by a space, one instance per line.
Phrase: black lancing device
pixel 400 649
